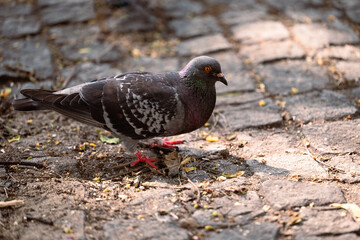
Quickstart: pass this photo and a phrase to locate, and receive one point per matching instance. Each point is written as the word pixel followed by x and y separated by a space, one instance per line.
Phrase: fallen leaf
pixel 188 169
pixel 209 228
pixel 108 140
pixel 232 136
pixel 212 139
pixel 84 50
pixel 350 207
pixel 4 93
pixel 16 138
pixel 185 161
pixel 172 162
pixel 262 103
pixel 234 175
pixel 294 90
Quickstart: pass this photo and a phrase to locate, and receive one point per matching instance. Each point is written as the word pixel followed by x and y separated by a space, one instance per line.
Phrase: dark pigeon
pixel 137 105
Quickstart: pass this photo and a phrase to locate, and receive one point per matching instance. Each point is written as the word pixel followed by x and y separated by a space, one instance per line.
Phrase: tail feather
pixel 69 105
pixel 27 104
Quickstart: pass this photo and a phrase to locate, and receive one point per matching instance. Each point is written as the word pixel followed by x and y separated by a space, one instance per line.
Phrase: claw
pixel 142 158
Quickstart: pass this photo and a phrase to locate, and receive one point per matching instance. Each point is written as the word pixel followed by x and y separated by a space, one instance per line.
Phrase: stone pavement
pixel 293 102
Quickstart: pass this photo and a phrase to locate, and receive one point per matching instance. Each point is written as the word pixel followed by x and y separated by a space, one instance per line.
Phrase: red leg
pixel 168 144
pixel 142 158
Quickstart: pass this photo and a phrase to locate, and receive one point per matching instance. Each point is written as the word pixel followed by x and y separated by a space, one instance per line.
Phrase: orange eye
pixel 207 69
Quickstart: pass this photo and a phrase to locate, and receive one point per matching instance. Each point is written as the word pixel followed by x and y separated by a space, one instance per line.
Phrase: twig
pixel 68 79
pixel 197 190
pixel 11 203
pixel 41 220
pixel 38 165
pixel 320 162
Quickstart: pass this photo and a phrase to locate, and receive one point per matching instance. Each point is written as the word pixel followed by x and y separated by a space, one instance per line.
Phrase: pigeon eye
pixel 207 69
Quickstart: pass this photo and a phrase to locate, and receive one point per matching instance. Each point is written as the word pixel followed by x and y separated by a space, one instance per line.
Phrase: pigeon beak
pixel 222 78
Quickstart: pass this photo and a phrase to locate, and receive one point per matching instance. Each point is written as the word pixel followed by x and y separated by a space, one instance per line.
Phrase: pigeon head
pixel 202 73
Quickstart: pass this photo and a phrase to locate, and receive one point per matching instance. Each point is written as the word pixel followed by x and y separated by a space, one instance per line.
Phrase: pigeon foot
pixel 142 158
pixel 167 144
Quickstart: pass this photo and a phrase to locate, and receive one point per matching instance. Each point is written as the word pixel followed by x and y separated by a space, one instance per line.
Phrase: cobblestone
pixel 260 31
pixel 282 194
pixel 200 45
pixel 17 27
pixel 192 27
pixel 59 11
pixel 252 115
pixel 317 106
pixel 24 58
pixel 283 77
pixel 316 36
pixel 340 222
pixel 272 51
pixel 349 69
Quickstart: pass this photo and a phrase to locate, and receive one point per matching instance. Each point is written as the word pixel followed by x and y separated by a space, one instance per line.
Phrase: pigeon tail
pixel 27 104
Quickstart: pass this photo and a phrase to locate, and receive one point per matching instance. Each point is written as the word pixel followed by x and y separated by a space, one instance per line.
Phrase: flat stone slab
pixel 200 45
pixel 238 79
pixel 75 33
pixel 349 163
pixel 23 58
pixel 132 22
pixel 347 236
pixel 294 4
pixel 151 229
pixel 182 9
pixel 18 27
pixel 192 27
pixel 239 98
pixel 316 36
pixel 85 72
pixel 354 14
pixel 149 64
pixel 271 51
pixel 257 230
pixel 60 11
pixel 283 194
pixel 351 7
pixel 234 17
pixel 316 222
pixel 334 137
pixel 309 15
pixel 98 52
pixel 281 78
pixel 350 70
pixel 16 9
pixel 317 106
pixel 252 115
pixel 260 31
pixel 347 52
pixel 275 152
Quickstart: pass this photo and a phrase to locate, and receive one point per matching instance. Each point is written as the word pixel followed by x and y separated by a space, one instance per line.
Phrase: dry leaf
pixel 188 169
pixel 350 207
pixel 294 90
pixel 172 162
pixel 84 50
pixel 212 139
pixel 185 161
pixel 262 103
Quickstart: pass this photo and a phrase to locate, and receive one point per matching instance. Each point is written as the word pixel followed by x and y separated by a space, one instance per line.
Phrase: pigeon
pixel 136 106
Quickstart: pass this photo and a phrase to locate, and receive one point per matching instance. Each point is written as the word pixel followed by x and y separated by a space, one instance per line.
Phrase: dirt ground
pixel 281 146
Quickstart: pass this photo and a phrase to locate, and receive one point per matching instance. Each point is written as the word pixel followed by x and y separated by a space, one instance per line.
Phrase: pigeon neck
pixel 200 102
